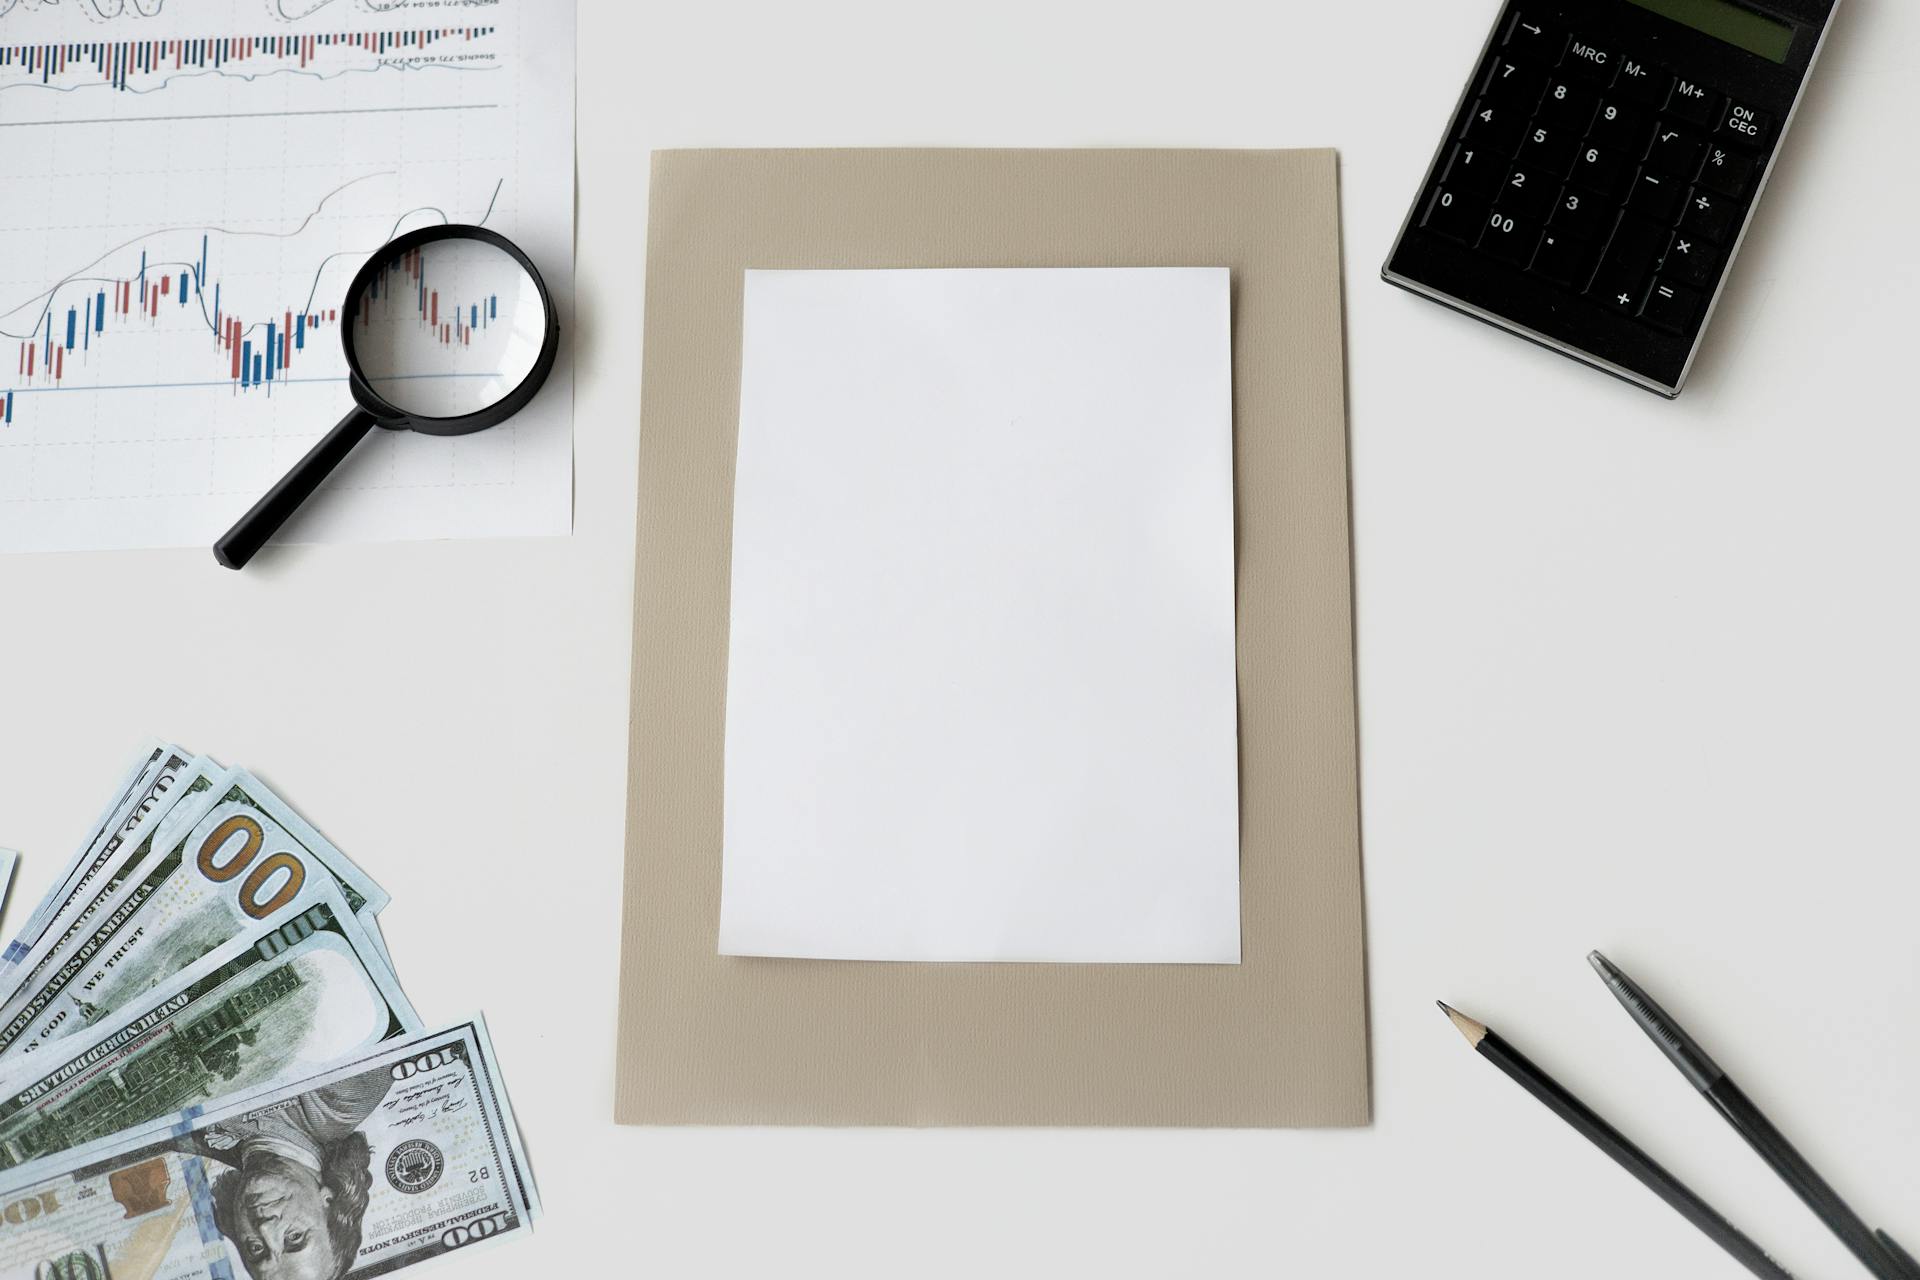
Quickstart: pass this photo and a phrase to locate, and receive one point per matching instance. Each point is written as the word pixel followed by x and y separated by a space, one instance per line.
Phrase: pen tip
pixel 1601 965
pixel 1474 1031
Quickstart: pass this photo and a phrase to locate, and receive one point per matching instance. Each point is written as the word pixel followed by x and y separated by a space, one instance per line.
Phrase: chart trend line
pixel 143 66
pixel 191 187
pixel 251 354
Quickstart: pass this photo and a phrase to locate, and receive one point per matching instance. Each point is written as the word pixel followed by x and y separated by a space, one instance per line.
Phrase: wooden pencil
pixel 1610 1140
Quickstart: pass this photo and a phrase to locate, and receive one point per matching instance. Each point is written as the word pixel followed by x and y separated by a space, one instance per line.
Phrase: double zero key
pixel 1509 238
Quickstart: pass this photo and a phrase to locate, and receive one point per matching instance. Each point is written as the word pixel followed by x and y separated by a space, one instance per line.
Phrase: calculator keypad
pixel 1595 170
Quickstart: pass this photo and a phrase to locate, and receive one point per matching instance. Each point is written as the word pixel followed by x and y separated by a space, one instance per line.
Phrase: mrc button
pixel 1745 124
pixel 1588 59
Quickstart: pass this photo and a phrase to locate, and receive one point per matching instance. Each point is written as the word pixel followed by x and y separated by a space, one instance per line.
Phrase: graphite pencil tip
pixel 1474 1031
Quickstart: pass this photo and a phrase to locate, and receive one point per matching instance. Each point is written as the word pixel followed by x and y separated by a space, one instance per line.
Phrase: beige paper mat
pixel 1280 1039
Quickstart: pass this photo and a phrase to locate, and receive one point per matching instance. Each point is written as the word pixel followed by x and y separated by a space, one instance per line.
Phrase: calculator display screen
pixel 1735 24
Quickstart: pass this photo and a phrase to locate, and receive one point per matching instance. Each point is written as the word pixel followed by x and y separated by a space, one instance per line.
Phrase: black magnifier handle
pixel 250 533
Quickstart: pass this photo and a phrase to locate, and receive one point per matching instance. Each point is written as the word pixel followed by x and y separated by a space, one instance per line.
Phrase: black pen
pixel 1705 1075
pixel 1900 1255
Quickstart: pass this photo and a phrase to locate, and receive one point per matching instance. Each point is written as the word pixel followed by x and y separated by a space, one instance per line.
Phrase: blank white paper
pixel 981 691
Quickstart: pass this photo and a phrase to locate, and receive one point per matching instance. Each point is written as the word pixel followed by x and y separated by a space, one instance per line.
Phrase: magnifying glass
pixel 447 330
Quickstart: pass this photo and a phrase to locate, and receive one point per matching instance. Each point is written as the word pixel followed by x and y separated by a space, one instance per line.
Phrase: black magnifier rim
pixel 391 415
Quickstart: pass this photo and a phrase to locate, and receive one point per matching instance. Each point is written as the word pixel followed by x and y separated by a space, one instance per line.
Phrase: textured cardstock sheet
pixel 1277 1040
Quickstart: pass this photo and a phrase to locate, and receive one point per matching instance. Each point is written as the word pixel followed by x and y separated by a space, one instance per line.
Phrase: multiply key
pixel 1689 260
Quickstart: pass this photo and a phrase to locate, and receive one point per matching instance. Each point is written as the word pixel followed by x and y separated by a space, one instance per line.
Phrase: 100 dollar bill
pixel 145 798
pixel 408 1154
pixel 143 770
pixel 78 910
pixel 246 860
pixel 268 1009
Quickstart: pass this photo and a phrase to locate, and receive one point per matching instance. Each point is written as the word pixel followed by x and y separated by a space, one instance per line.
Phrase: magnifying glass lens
pixel 447 328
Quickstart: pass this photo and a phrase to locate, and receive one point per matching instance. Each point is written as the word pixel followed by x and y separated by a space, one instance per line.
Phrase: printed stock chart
pixel 204 189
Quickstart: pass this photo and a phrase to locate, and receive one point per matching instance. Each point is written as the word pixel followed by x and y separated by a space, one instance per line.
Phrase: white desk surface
pixel 1634 675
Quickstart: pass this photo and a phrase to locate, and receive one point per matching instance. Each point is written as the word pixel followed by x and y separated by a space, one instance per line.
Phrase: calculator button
pixel 1508 238
pixel 1548 148
pixel 1675 150
pixel 1728 171
pixel 1642 83
pixel 1528 193
pixel 1589 60
pixel 1671 306
pixel 1530 37
pixel 1581 213
pixel 1563 259
pixel 1693 102
pixel 1618 293
pixel 1621 283
pixel 1494 125
pixel 1710 215
pixel 1622 127
pixel 1458 215
pixel 1513 83
pixel 1658 196
pixel 1599 169
pixel 1473 167
pixel 1744 124
pixel 1689 260
pixel 1570 104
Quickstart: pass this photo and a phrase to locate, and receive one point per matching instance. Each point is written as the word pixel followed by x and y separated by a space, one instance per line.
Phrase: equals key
pixel 1671 306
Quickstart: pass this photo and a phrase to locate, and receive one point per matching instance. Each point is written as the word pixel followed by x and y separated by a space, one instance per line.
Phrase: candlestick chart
pixel 186 191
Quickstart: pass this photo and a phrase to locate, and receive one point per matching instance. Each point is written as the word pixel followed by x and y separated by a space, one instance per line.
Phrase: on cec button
pixel 1744 124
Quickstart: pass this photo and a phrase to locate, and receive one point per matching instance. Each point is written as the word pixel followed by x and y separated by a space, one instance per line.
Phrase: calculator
pixel 1601 170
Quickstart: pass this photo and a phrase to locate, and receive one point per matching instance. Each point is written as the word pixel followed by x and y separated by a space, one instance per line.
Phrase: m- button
pixel 1588 59
pixel 1642 83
